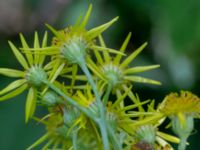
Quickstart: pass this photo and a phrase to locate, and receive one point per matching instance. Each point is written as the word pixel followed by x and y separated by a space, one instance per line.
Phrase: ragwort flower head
pixel 73 43
pixel 186 103
pixel 182 109
pixel 31 77
pixel 116 72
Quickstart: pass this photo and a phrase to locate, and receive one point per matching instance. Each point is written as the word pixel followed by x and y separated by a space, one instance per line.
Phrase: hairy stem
pixel 102 121
pixel 114 139
pixel 106 96
pixel 74 140
pixel 182 144
pixel 70 100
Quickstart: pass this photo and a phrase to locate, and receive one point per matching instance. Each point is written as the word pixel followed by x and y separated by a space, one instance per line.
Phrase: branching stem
pixel 102 121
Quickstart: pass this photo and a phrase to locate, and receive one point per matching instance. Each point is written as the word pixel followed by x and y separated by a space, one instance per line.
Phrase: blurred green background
pixel 172 29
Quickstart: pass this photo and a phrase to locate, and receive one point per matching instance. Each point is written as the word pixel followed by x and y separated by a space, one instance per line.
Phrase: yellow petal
pixel 12 86
pixel 129 59
pixel 140 69
pixel 182 119
pixel 11 72
pixel 18 55
pixel 14 93
pixel 122 49
pixel 93 33
pixel 141 79
pixel 25 45
pixel 30 103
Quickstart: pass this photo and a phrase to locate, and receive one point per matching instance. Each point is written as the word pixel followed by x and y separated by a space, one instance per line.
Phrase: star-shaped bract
pixel 28 78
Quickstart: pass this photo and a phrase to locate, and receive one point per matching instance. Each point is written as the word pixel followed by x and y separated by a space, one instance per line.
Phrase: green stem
pixel 102 121
pixel 70 100
pixel 74 140
pixel 114 140
pixel 106 96
pixel 182 144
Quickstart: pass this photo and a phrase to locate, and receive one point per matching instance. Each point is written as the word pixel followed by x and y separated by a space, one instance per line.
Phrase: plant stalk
pixel 74 140
pixel 102 121
pixel 182 144
pixel 106 96
pixel 70 100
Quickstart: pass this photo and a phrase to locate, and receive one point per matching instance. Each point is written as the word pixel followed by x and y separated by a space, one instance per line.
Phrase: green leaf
pixel 11 72
pixel 94 68
pixel 55 32
pixel 98 57
pixel 36 45
pixel 130 107
pixel 54 73
pixel 121 98
pixel 168 137
pixel 93 33
pixel 25 45
pixel 86 18
pixel 105 53
pixel 44 44
pixel 46 50
pixel 50 65
pixel 141 79
pixel 140 69
pixel 44 41
pixel 30 103
pixel 12 86
pixel 48 144
pixel 14 93
pixel 129 59
pixel 78 77
pixel 65 70
pixel 123 48
pixel 99 48
pixel 39 141
pixel 18 55
pixel 74 74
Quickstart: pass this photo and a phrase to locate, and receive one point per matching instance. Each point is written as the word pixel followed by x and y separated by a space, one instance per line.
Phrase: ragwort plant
pixel 83 116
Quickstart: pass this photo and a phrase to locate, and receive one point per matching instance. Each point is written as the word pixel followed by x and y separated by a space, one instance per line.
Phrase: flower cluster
pixel 76 89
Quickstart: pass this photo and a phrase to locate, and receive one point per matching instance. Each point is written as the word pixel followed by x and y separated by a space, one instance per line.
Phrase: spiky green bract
pixel 31 77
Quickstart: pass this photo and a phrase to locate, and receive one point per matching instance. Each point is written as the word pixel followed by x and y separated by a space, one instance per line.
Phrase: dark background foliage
pixel 172 29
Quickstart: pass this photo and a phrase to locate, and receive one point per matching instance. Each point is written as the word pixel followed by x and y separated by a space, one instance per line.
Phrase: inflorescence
pixel 81 114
